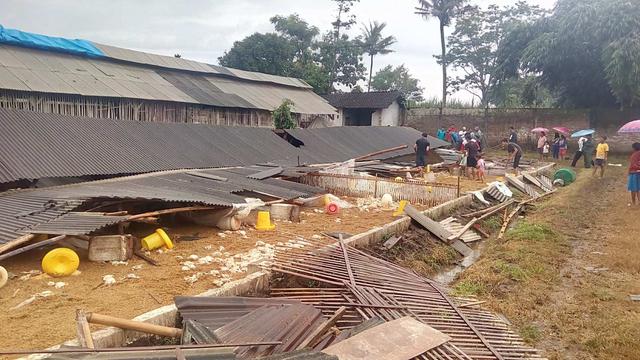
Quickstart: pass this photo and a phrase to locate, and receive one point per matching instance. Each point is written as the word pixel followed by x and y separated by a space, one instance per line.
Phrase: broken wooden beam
pixel 317 334
pixel 508 219
pixel 144 257
pixel 463 230
pixel 21 250
pixel 391 242
pixel 134 325
pixel 83 330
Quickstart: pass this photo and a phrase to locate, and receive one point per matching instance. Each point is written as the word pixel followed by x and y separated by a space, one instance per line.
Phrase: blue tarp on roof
pixel 31 40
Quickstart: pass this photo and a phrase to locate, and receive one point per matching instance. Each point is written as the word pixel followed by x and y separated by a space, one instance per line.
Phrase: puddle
pixel 446 277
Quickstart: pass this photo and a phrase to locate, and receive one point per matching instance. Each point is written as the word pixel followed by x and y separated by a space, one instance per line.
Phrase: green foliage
pixel 267 53
pixel 397 79
pixel 434 103
pixel 586 51
pixel 520 92
pixel 282 117
pixel 469 287
pixel 373 43
pixel 473 46
pixel 348 59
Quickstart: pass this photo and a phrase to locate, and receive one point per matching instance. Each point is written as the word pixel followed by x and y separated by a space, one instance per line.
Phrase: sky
pixel 203 29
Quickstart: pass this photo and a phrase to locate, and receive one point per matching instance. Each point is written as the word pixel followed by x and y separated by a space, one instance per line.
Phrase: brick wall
pixel 496 122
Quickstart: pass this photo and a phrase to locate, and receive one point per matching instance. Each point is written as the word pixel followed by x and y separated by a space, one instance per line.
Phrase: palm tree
pixel 373 43
pixel 444 10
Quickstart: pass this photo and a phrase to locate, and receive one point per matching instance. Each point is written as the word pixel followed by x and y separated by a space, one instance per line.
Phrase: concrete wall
pixel 496 122
pixel 389 116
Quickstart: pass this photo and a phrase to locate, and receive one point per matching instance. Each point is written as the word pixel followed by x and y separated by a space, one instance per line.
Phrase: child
pixel 481 168
pixel 602 153
pixel 563 147
pixel 545 150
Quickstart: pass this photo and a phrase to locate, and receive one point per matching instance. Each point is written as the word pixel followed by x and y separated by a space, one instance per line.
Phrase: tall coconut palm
pixel 444 10
pixel 373 43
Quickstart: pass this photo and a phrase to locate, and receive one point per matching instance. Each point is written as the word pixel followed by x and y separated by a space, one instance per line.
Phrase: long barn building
pixel 81 78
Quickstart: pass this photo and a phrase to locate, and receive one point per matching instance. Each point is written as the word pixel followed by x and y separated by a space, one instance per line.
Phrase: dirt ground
pixel 51 320
pixel 563 274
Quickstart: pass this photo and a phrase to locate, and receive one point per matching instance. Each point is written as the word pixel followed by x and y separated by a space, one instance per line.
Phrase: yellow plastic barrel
pixel 264 221
pixel 60 262
pixel 157 240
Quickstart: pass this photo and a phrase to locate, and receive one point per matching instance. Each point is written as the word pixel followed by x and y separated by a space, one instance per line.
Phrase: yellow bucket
pixel 157 240
pixel 60 262
pixel 264 221
pixel 400 210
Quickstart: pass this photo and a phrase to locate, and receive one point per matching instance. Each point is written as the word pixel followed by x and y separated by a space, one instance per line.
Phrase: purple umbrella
pixel 632 127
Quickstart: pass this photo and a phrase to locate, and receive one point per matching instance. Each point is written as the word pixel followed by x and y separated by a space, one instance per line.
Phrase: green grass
pixel 530 333
pixel 468 287
pixel 526 231
pixel 493 223
pixel 512 271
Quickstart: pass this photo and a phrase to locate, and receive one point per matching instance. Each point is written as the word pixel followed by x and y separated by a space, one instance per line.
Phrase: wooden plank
pixel 84 332
pixel 347 264
pixel 32 246
pixel 134 325
pixel 317 334
pixel 436 229
pixel 400 339
pixel 17 242
pixel 391 242
pixel 533 180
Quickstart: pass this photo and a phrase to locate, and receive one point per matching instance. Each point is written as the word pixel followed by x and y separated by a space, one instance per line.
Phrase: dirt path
pixel 564 274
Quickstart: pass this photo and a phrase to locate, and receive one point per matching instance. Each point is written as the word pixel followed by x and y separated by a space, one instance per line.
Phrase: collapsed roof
pixel 38 145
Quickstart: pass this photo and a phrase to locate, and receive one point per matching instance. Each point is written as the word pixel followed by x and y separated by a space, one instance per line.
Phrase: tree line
pixel 583 53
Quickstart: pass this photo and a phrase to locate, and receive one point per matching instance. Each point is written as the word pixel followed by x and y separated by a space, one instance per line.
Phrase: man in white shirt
pixel 578 153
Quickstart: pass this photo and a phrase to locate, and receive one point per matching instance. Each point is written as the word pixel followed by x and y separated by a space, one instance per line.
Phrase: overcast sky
pixel 203 29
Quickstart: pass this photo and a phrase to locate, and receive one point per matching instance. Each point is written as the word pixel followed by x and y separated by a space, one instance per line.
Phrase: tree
pixel 266 53
pixel 586 51
pixel 344 8
pixel 347 63
pixel 444 11
pixel 373 43
pixel 282 117
pixel 473 46
pixel 299 32
pixel 397 79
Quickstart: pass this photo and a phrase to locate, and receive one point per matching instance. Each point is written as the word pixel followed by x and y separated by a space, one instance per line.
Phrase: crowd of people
pixel 472 143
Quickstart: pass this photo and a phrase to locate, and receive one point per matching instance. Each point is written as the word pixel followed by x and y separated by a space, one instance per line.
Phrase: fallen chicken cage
pixel 415 191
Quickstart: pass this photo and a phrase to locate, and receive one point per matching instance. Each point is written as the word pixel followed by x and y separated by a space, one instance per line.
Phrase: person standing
pixel 542 140
pixel 564 146
pixel 441 133
pixel 480 137
pixel 513 135
pixel 421 148
pixel 633 184
pixel 579 152
pixel 482 168
pixel 471 150
pixel 602 154
pixel 555 146
pixel 515 153
pixel 587 152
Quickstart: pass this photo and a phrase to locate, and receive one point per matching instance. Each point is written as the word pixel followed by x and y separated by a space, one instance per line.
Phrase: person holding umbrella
pixel 583 135
pixel 587 151
pixel 633 183
pixel 564 146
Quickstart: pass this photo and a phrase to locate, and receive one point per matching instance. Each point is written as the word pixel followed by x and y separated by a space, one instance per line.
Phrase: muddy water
pixel 447 276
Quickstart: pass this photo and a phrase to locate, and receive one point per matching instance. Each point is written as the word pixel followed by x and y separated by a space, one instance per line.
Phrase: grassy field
pixel 564 273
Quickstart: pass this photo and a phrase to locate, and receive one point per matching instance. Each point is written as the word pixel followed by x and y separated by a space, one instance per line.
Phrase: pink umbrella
pixel 562 130
pixel 632 127
pixel 539 130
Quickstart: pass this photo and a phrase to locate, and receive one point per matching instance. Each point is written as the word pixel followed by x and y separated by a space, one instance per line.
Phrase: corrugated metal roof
pixel 368 100
pixel 26 69
pixel 75 223
pixel 43 209
pixel 36 145
pixel 323 145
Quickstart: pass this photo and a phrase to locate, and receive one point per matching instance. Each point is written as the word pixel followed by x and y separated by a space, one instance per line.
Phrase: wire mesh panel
pixel 417 192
